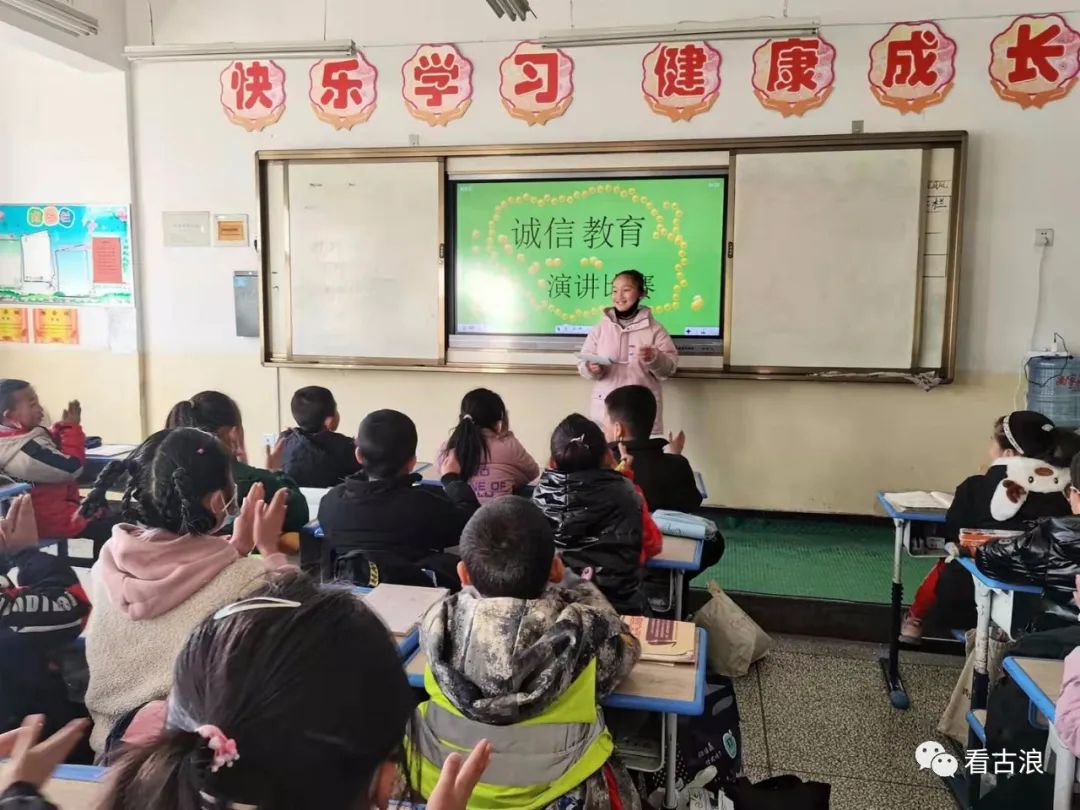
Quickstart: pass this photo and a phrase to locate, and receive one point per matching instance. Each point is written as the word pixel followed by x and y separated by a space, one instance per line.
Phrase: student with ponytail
pixel 492 460
pixel 595 512
pixel 219 414
pixel 164 569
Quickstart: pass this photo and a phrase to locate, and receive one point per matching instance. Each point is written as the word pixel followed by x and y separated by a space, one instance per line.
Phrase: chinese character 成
pixel 911 62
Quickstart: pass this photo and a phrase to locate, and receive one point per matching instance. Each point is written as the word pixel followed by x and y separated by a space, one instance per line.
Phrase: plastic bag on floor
pixel 954 720
pixel 778 793
pixel 735 640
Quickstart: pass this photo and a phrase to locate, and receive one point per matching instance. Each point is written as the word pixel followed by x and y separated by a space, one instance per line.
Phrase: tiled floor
pixel 818 709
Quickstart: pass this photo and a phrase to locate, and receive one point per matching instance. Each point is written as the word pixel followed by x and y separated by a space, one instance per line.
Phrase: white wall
pixel 103 51
pixel 1022 174
pixel 64 138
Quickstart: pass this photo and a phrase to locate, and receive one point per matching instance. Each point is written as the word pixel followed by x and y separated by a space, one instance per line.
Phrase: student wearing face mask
pixel 164 569
pixel 636 349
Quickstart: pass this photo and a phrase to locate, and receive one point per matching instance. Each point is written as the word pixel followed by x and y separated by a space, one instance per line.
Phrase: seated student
pixel 39 617
pixel 384 518
pixel 1047 555
pixel 219 414
pixel 313 454
pixel 523 650
pixel 291 699
pixel 492 460
pixel 50 460
pixel 1022 439
pixel 660 469
pixel 164 568
pixel 595 512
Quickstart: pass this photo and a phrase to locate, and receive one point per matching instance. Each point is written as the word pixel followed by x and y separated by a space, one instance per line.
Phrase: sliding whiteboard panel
pixel 827 259
pixel 365 275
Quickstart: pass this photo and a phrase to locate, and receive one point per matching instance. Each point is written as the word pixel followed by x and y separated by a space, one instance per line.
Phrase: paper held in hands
pixel 600 360
pixel 664 640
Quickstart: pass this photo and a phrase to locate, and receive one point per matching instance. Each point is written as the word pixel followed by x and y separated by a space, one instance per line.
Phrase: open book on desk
pixel 403 607
pixel 664 640
pixel 916 501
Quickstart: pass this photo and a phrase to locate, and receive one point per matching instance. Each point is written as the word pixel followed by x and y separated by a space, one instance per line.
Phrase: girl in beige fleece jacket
pixel 163 570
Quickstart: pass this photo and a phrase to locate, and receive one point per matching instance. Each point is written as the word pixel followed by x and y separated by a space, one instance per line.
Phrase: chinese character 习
pixel 544 84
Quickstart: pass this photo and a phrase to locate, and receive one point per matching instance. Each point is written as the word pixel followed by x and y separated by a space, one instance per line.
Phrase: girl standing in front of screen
pixel 639 349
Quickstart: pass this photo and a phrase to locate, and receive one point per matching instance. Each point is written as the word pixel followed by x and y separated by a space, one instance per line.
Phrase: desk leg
pixel 1064 772
pixel 980 679
pixel 890 666
pixel 678 580
pixel 671 735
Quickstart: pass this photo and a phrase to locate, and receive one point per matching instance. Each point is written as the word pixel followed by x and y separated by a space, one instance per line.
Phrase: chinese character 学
pixel 680 70
pixel 792 63
pixel 911 61
pixel 251 83
pixel 1031 55
pixel 434 76
pixel 341 88
pixel 545 84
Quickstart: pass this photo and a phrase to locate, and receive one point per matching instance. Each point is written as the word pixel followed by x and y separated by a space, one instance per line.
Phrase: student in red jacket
pixel 51 460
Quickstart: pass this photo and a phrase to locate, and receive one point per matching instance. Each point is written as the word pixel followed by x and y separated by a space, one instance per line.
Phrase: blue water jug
pixel 1054 389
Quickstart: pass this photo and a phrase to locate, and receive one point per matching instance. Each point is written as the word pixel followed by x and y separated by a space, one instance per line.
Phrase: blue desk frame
pixel 890 664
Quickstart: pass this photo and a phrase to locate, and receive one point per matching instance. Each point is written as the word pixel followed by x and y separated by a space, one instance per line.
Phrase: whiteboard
pixel 827 258
pixel 363 264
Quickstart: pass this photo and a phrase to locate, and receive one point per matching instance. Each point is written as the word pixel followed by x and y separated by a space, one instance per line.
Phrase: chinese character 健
pixel 792 64
pixel 560 286
pixel 433 76
pixel 251 84
pixel 545 86
pixel 341 88
pixel 680 70
pixel 598 232
pixel 1031 55
pixel 911 62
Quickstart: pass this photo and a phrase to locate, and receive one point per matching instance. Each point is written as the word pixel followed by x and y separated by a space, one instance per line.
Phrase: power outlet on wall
pixel 1044 237
pixel 269 439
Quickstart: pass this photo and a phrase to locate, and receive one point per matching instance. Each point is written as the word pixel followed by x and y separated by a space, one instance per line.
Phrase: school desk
pixel 668 689
pixel 75 787
pixel 902 519
pixel 98 457
pixel 678 555
pixel 406 644
pixel 1040 679
pixel 10 491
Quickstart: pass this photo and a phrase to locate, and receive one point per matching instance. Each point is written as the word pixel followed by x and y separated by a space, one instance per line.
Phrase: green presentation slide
pixel 538 257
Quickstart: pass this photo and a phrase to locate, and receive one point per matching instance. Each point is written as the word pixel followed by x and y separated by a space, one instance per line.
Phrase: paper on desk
pixel 919 500
pixel 110 450
pixel 401 607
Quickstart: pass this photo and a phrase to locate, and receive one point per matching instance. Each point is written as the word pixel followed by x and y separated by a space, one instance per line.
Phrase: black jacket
pixel 596 515
pixel 666 479
pixel 322 459
pixel 394 521
pixel 971 506
pixel 1048 556
pixel 49 606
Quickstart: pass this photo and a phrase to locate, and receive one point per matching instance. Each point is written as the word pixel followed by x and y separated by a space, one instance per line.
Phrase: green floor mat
pixel 821 558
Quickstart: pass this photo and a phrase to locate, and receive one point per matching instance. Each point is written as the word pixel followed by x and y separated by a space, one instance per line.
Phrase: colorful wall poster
pixel 436 83
pixel 253 93
pixel 65 254
pixel 13 328
pixel 1035 60
pixel 794 75
pixel 343 92
pixel 536 83
pixel 54 325
pixel 538 257
pixel 681 80
pixel 912 66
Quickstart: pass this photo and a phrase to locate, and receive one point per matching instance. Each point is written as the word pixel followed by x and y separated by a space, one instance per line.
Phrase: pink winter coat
pixel 609 339
pixel 1067 710
pixel 508 466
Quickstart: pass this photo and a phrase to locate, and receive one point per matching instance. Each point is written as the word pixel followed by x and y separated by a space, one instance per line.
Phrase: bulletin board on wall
pixel 820 257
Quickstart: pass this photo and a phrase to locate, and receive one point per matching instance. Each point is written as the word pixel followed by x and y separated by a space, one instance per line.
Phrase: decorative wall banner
pixel 65 254
pixel 253 93
pixel 912 66
pixel 436 83
pixel 793 75
pixel 13 328
pixel 1035 60
pixel 343 91
pixel 536 83
pixel 56 326
pixel 681 79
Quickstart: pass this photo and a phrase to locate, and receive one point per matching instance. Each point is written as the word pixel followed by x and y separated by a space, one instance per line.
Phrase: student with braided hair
pixel 164 569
